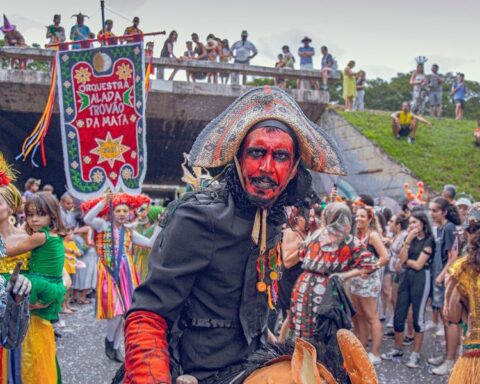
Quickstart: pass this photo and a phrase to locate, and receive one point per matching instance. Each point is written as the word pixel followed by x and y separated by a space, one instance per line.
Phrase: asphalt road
pixel 83 361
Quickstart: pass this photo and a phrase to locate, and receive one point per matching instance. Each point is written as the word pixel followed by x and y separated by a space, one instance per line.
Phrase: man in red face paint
pixel 268 161
pixel 213 272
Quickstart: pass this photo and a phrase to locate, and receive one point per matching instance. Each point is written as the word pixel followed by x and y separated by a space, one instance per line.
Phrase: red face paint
pixel 267 163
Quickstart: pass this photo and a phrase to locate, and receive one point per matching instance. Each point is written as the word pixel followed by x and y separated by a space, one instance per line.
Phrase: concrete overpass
pixel 176 112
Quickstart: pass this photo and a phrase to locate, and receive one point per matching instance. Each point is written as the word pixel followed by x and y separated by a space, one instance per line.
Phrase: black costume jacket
pixel 202 280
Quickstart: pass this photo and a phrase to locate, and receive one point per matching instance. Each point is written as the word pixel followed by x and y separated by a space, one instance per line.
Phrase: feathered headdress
pixel 415 199
pixel 421 59
pixel 7 173
pixel 9 192
pixel 132 201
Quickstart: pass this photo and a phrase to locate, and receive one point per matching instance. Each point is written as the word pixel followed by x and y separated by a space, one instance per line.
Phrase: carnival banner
pixel 102 108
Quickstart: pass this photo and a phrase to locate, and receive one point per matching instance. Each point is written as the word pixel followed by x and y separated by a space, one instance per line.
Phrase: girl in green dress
pixel 45 227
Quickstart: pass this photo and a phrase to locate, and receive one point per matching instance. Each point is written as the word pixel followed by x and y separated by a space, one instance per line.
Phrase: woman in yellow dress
pixel 463 303
pixel 349 85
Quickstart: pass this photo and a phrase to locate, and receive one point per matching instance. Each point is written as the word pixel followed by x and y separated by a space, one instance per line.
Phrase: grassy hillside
pixel 443 153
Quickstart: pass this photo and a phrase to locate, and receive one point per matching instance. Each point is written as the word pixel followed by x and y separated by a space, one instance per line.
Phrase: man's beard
pixel 266 183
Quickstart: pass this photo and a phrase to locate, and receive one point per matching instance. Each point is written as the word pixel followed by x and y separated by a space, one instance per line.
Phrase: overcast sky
pixel 382 36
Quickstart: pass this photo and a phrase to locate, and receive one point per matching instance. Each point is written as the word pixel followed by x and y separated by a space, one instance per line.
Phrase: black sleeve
pixel 182 251
pixel 429 243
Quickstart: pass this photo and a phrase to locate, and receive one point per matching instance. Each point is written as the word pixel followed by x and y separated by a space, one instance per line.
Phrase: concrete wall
pixel 370 169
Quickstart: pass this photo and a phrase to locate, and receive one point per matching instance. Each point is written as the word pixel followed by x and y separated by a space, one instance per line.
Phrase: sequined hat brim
pixel 219 141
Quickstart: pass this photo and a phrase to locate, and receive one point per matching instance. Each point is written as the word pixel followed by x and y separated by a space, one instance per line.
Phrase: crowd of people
pixel 71 256
pixel 392 265
pixel 411 252
pixel 387 266
pixel 426 89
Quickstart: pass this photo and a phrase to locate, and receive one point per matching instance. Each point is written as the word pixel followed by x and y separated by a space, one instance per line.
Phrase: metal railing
pixel 187 65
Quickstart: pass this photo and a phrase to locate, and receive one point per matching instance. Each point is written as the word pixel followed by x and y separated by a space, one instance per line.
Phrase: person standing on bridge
pixel 167 53
pixel 200 53
pixel 80 32
pixel 55 32
pixel 106 35
pixel 133 30
pixel 214 271
pixel 306 54
pixel 243 51
pixel 13 38
pixel 349 85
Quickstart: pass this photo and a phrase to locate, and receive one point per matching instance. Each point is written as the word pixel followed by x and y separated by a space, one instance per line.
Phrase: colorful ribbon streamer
pixel 36 139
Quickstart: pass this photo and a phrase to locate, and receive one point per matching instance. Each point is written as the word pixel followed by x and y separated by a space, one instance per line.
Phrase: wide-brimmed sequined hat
pixel 218 143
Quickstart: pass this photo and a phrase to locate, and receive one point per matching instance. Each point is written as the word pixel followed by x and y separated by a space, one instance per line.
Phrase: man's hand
pixel 22 286
pixel 108 197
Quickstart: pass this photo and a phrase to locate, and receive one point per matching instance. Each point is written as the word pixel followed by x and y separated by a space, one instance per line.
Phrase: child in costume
pixel 70 266
pixel 117 276
pixel 146 218
pixel 85 277
pixel 45 243
pixel 463 302
pixel 45 227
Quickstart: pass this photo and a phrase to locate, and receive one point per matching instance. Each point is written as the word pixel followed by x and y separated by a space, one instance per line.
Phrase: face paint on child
pixel 120 214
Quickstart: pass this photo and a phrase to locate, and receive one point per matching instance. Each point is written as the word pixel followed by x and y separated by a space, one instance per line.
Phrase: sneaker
pixel 375 360
pixel 392 354
pixel 444 369
pixel 440 332
pixel 109 351
pixel 389 324
pixel 436 360
pixel 407 341
pixel 413 360
pixel 60 323
pixel 410 140
pixel 389 333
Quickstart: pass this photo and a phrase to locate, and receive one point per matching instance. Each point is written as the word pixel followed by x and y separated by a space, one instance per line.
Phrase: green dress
pixel 141 254
pixel 46 266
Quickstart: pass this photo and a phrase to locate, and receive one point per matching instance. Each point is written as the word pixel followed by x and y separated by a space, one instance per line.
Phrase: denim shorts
pixel 438 296
pixel 435 98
